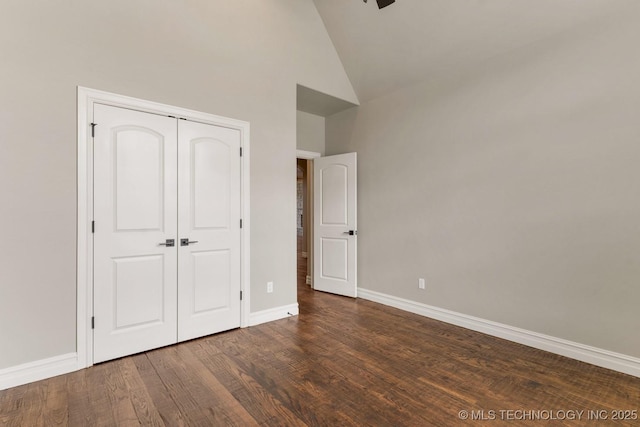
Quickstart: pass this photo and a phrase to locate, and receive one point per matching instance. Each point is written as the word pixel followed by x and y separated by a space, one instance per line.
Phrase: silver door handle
pixel 351 232
pixel 168 243
pixel 187 242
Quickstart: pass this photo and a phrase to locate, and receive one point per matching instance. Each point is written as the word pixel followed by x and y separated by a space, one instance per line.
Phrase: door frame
pixel 86 99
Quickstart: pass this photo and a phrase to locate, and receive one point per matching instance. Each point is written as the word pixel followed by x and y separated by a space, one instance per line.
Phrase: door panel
pixel 135 210
pixel 138 279
pixel 209 215
pixel 210 171
pixel 334 254
pixel 139 185
pixel 211 280
pixel 334 184
pixel 335 215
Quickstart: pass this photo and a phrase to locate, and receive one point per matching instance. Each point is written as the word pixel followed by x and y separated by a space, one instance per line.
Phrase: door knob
pixel 186 242
pixel 168 243
pixel 351 232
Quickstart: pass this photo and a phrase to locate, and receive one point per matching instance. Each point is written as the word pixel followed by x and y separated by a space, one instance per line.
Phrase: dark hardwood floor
pixel 341 362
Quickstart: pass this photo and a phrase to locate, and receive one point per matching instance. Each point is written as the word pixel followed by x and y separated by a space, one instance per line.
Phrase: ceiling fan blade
pixel 385 3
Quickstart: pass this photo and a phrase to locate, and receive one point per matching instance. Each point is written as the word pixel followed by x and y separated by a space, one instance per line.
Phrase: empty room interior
pixel 320 212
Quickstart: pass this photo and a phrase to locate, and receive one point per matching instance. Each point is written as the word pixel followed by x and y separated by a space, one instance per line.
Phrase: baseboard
pixel 63 364
pixel 38 370
pixel 272 314
pixel 596 356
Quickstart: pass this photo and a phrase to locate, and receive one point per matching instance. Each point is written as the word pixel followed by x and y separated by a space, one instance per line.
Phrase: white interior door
pixel 335 224
pixel 135 212
pixel 209 229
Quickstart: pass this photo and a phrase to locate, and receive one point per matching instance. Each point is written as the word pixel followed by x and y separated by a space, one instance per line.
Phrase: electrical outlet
pixel 421 284
pixel 269 287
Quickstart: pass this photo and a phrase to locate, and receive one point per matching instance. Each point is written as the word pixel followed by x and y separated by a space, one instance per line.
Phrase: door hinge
pixel 240 295
pixel 240 151
pixel 240 223
pixel 93 226
pixel 93 322
pixel 93 129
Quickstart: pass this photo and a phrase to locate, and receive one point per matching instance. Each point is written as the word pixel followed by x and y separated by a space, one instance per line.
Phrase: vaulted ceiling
pixel 415 40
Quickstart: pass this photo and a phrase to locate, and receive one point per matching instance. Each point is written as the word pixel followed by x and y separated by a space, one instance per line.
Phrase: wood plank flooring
pixel 341 362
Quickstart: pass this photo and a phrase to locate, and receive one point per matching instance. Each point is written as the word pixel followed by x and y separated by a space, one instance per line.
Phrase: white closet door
pixel 135 210
pixel 209 229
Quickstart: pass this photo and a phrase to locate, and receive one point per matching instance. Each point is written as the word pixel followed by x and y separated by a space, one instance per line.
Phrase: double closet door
pixel 167 231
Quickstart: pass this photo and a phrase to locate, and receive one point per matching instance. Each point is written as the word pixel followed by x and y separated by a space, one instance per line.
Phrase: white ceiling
pixel 416 40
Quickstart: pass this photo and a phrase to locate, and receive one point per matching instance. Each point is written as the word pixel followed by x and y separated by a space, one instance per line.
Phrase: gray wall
pixel 514 189
pixel 310 132
pixel 240 59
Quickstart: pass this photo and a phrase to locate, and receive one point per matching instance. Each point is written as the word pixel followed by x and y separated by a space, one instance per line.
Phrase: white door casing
pixel 135 211
pixel 335 224
pixel 88 99
pixel 209 218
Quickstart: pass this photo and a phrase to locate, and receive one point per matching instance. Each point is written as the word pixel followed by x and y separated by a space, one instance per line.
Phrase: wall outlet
pixel 269 287
pixel 421 284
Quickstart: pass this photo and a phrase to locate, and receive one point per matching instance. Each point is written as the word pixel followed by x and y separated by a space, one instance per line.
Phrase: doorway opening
pixel 327 223
pixel 304 218
pixel 302 223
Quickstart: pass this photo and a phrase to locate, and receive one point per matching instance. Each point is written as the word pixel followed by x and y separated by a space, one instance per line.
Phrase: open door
pixel 335 225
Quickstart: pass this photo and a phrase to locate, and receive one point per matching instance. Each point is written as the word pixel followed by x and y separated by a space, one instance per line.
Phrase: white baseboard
pixel 63 364
pixel 596 356
pixel 38 370
pixel 272 314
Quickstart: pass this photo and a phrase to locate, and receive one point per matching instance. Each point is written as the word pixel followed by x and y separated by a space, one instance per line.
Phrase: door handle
pixel 351 232
pixel 168 243
pixel 186 242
